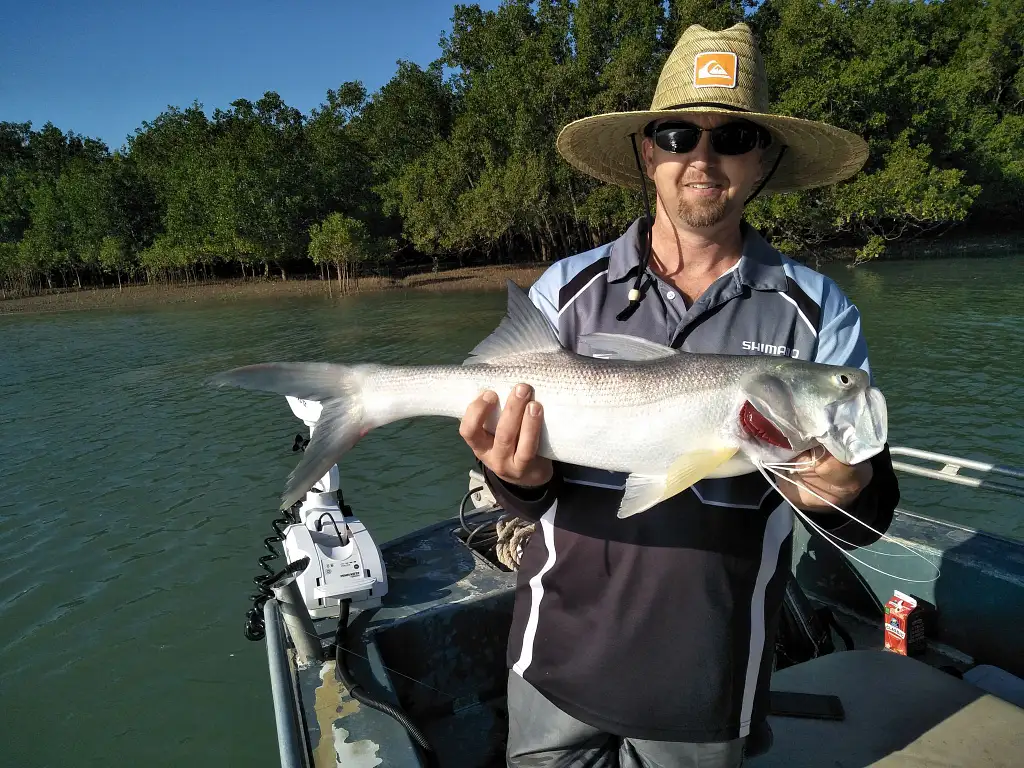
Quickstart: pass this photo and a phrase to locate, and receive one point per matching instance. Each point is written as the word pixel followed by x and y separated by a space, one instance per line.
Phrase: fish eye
pixel 844 380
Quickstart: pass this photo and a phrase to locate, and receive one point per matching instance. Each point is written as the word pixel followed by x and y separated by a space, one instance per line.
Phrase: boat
pixel 394 654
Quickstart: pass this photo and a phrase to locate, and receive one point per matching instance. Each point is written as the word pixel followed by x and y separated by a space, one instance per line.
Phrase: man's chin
pixel 702 215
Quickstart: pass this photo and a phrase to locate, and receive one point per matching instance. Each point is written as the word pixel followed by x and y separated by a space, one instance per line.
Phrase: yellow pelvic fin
pixel 644 491
pixel 693 467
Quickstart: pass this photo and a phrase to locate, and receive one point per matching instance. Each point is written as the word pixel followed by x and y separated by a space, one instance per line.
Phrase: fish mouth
pixel 758 426
pixel 858 427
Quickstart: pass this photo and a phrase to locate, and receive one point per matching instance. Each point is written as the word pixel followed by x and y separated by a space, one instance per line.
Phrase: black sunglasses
pixel 733 138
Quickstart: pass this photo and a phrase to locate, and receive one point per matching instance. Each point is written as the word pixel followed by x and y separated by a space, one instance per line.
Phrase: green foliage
pixel 908 193
pixel 874 248
pixel 339 240
pixel 114 256
pixel 346 243
pixel 458 158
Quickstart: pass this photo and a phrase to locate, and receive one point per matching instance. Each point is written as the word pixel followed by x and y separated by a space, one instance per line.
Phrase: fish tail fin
pixel 338 388
pixel 337 431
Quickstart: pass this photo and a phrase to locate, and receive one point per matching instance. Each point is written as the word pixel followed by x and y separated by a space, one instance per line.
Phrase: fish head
pixel 798 405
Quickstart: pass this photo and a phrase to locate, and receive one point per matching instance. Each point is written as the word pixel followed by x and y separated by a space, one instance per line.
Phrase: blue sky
pixel 100 68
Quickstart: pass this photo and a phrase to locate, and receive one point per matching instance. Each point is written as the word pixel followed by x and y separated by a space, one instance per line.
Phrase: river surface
pixel 134 500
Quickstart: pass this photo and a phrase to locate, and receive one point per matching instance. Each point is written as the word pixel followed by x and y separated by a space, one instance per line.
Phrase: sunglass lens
pixel 734 138
pixel 678 139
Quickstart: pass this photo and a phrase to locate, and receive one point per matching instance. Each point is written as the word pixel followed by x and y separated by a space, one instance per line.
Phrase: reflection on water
pixel 135 499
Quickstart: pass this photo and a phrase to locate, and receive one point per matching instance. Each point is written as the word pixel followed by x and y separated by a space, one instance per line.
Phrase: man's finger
pixel 472 427
pixel 529 434
pixel 506 434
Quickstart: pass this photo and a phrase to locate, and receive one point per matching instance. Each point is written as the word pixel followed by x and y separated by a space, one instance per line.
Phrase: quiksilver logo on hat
pixel 715 69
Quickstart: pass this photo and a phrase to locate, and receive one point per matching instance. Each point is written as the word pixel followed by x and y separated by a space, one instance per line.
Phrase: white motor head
pixel 307 410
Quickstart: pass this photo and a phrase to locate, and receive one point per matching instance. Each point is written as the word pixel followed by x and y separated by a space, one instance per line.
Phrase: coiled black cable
pixel 462 507
pixel 342 673
pixel 254 627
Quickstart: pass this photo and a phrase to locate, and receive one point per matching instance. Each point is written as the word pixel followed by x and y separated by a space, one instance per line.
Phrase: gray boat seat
pixel 899 712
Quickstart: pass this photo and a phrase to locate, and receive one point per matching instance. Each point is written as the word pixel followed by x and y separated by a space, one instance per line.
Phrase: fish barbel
pixel 667 418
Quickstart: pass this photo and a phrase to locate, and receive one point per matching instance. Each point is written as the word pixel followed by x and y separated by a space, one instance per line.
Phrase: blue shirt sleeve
pixel 544 295
pixel 840 338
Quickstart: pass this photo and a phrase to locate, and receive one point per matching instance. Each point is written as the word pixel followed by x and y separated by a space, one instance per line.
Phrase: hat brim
pixel 817 154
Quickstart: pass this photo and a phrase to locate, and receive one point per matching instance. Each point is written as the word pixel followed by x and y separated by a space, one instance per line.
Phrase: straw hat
pixel 717 73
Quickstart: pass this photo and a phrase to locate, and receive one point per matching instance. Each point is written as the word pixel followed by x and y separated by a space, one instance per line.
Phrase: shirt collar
pixel 760 265
pixel 625 253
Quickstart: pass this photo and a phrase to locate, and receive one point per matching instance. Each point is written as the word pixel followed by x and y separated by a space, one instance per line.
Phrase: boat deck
pixel 436 647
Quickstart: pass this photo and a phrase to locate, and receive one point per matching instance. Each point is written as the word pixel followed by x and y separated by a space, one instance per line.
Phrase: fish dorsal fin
pixel 613 346
pixel 523 330
pixel 644 491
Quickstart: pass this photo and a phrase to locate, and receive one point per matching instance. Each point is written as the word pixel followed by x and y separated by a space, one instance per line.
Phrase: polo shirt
pixel 661 626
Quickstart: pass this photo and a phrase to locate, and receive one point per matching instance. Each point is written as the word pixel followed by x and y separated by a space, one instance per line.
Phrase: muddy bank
pixel 471 279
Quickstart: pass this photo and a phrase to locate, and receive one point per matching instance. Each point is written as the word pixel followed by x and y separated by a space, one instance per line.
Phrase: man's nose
pixel 703 152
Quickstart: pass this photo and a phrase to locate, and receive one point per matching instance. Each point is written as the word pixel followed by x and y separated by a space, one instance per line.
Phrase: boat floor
pixel 436 647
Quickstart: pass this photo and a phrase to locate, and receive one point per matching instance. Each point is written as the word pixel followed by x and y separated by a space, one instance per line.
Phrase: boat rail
pixel 291 736
pixel 951 469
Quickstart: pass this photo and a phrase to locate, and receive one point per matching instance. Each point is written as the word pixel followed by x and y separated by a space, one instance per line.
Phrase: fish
pixel 665 417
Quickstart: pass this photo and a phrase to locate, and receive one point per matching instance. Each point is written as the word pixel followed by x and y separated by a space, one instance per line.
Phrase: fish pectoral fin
pixel 644 491
pixel 614 346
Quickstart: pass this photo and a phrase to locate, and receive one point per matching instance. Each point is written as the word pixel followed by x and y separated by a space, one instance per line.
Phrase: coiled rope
pixel 513 534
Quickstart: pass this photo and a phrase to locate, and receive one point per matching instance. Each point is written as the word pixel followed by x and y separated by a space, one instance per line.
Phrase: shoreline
pixel 237 289
pixel 491 277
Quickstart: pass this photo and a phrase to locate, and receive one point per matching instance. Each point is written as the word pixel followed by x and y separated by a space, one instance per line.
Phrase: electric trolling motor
pixel 344 561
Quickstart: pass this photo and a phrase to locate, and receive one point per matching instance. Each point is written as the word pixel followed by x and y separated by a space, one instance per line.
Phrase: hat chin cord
pixel 647 233
pixel 767 178
pixel 635 295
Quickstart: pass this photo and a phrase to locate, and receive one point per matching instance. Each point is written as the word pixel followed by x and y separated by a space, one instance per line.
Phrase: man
pixel 649 640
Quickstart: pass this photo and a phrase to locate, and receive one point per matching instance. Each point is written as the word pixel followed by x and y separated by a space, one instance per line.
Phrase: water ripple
pixel 135 498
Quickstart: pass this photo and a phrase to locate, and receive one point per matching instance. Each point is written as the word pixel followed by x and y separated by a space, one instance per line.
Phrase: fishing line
pixel 811 461
pixel 866 565
pixel 829 536
pixel 834 536
pixel 839 509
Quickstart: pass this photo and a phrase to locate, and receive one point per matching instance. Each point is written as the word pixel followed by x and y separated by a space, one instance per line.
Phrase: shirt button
pixel 670 295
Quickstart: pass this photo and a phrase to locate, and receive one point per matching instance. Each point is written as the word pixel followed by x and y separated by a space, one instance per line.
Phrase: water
pixel 134 499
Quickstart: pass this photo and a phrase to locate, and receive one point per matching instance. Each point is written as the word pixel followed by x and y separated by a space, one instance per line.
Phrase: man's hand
pixel 511 452
pixel 829 478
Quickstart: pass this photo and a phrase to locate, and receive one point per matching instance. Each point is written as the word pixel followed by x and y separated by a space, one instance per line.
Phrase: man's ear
pixel 765 158
pixel 647 153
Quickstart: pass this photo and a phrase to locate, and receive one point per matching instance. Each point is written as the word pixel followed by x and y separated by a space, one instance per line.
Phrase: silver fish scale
pixel 569 376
